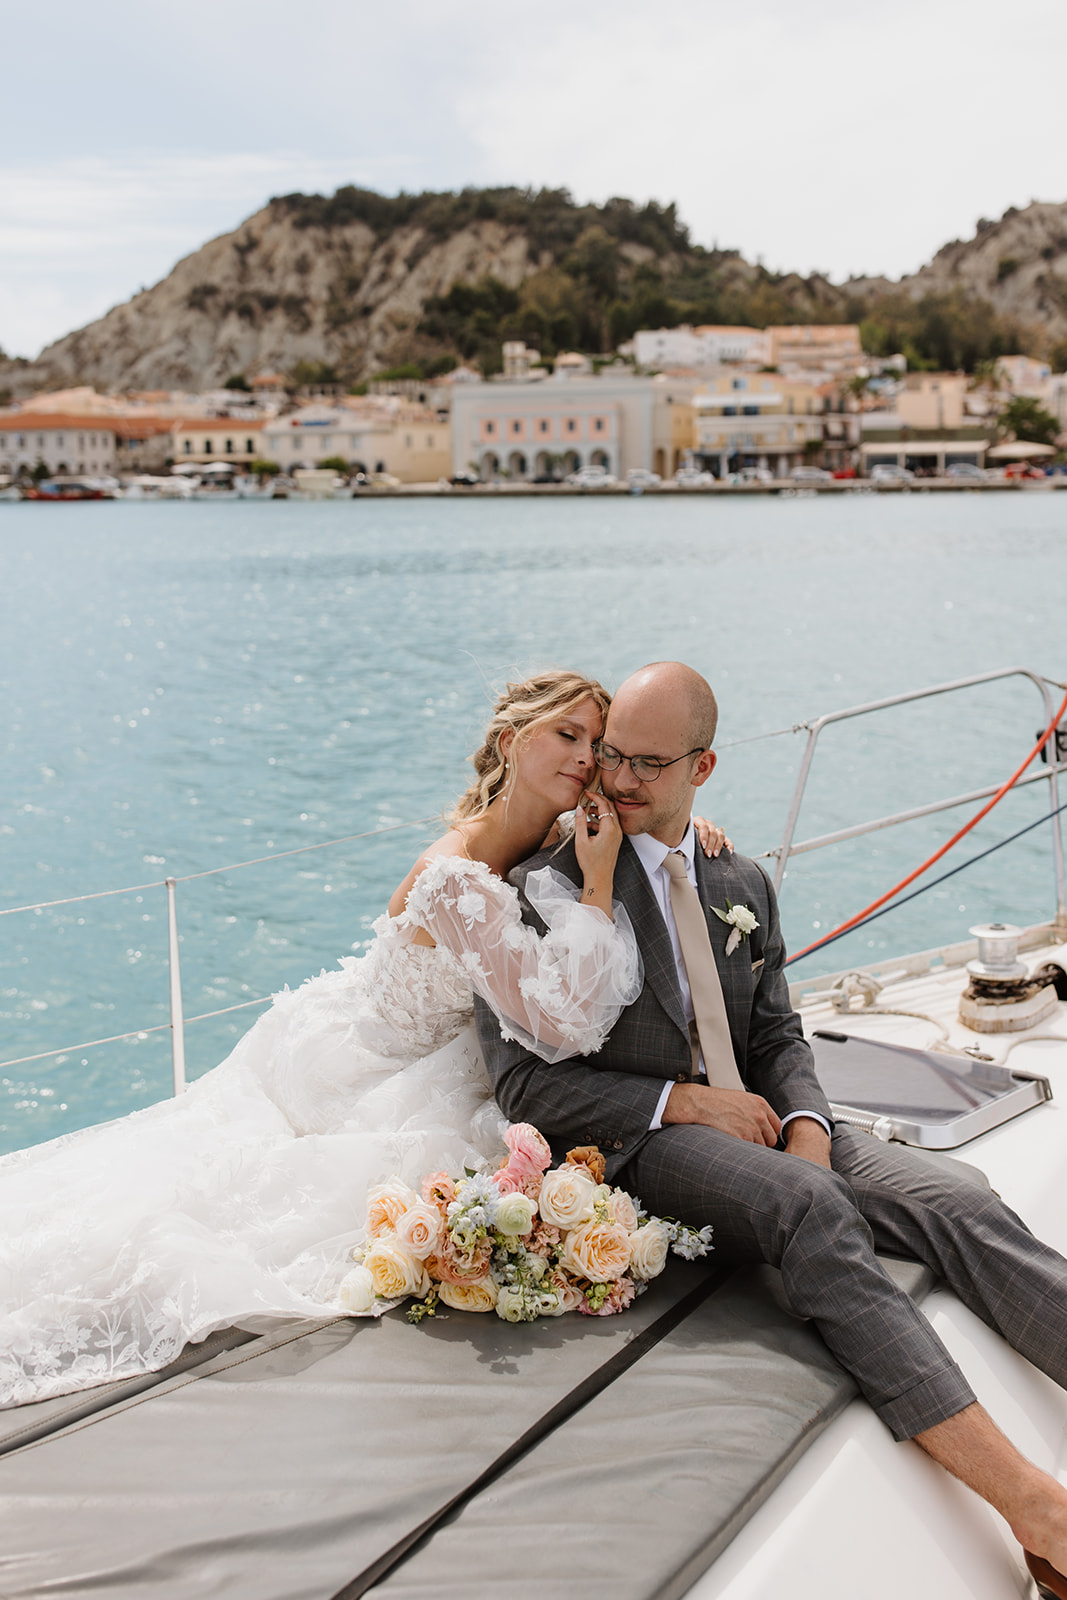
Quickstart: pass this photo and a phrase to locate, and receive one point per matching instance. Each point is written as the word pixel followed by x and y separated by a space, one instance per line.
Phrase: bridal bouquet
pixel 523 1241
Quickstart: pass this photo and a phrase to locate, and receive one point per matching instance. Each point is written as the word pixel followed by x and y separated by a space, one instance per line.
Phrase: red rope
pixel 956 837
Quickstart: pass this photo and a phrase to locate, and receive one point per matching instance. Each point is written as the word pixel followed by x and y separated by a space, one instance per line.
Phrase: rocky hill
pixel 350 285
pixel 360 282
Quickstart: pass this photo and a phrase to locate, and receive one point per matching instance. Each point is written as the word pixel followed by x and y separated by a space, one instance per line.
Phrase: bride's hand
pixel 712 838
pixel 597 837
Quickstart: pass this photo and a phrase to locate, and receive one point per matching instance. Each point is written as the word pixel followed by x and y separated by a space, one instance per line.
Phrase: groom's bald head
pixel 665 711
pixel 672 683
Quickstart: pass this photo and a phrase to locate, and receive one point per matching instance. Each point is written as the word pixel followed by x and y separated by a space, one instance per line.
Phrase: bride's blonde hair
pixel 524 708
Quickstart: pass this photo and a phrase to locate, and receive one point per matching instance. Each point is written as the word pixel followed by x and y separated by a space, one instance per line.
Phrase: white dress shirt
pixel 652 853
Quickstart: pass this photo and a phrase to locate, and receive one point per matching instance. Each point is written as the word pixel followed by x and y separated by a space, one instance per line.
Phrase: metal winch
pixel 1002 996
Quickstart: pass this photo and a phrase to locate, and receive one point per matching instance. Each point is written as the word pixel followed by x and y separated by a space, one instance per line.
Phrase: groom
pixel 705 1102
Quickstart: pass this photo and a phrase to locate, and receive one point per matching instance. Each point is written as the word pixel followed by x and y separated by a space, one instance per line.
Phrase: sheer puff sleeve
pixel 559 995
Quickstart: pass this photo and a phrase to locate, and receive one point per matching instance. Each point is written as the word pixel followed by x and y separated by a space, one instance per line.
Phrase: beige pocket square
pixel 756 965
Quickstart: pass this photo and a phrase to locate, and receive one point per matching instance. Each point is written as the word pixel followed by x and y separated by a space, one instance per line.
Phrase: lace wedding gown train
pixel 240 1201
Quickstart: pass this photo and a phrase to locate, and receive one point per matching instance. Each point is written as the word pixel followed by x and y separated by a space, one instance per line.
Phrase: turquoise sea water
pixel 189 686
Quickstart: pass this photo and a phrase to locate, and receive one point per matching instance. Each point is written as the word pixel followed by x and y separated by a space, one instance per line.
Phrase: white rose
pixel 567 1197
pixel 394 1270
pixel 648 1250
pixel 511 1305
pixel 515 1214
pixel 743 919
pixel 419 1229
pixel 479 1296
pixel 355 1293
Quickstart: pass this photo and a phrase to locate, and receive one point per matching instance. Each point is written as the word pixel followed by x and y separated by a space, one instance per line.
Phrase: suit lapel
pixel 635 892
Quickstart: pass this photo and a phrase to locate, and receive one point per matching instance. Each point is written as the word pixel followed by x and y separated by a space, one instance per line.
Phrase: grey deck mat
pixel 283 1469
pixel 639 1493
pixel 21 1425
pixel 279 1470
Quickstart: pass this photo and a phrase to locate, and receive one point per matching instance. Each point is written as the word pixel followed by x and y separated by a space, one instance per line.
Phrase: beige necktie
pixel 708 1004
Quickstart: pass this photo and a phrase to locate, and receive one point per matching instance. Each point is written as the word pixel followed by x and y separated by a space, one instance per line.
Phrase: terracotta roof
pixel 55 422
pixel 141 427
pixel 218 424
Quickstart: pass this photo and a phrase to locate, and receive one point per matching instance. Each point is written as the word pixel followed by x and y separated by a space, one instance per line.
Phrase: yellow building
pixel 932 400
pixel 217 439
pixel 756 420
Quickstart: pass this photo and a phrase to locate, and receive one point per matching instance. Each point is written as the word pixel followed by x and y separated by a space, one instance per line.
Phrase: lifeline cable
pixel 933 884
pixel 951 873
pixel 846 927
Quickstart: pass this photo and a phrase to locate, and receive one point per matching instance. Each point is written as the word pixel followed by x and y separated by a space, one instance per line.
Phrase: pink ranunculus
pixel 439 1190
pixel 622 1292
pixel 510 1181
pixel 530 1152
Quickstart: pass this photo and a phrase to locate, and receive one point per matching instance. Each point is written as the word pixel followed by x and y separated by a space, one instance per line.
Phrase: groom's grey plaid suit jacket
pixel 609 1099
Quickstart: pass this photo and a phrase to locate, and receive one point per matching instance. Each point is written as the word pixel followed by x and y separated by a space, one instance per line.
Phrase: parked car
pixel 464 480
pixel 693 478
pixel 844 472
pixel 887 472
pixel 1022 469
pixel 755 475
pixel 547 477
pixel 810 475
pixel 641 478
pixel 591 478
pixel 966 470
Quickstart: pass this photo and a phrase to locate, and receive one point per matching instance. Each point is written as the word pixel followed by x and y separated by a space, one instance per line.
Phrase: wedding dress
pixel 240 1201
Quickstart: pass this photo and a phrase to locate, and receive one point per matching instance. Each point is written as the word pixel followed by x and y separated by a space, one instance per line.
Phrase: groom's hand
pixel 733 1111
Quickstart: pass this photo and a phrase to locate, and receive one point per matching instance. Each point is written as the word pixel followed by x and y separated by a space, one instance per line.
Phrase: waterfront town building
pixel 756 420
pixel 933 400
pixel 523 430
pixel 60 444
pixel 404 441
pixel 815 347
pixel 706 346
pixel 202 440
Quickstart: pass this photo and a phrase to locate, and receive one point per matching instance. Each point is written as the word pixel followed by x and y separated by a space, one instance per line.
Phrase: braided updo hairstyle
pixel 525 708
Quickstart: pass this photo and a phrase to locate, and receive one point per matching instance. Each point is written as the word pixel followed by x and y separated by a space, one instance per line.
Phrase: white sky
pixel 836 135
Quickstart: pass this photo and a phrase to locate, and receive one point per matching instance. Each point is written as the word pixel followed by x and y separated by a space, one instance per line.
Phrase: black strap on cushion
pixel 579 1396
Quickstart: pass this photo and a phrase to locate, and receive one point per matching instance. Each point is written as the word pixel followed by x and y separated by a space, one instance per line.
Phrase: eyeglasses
pixel 645 768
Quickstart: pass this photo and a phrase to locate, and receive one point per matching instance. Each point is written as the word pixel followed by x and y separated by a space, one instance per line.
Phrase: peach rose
pixel 570 1298
pixel 530 1151
pixel 439 1190
pixel 419 1229
pixel 648 1250
pixel 623 1210
pixel 599 1251
pixel 458 1266
pixel 477 1296
pixel 386 1203
pixel 567 1197
pixel 394 1270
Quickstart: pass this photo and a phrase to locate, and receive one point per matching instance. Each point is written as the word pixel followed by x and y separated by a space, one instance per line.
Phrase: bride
pixel 241 1201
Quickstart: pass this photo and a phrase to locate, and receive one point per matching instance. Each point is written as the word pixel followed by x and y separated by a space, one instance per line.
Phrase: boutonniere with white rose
pixel 742 922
